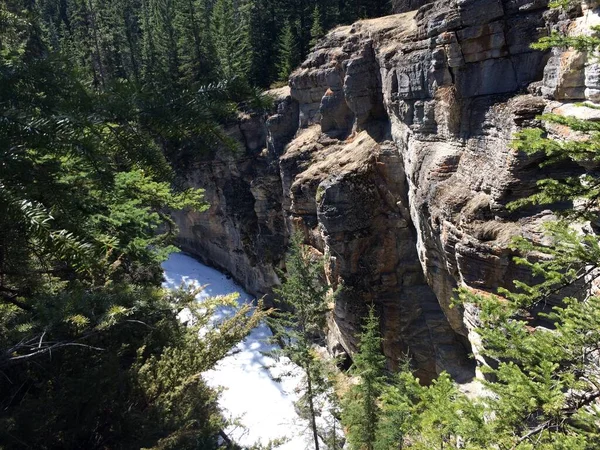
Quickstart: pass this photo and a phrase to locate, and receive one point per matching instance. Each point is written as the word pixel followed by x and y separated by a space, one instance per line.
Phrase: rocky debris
pixel 391 152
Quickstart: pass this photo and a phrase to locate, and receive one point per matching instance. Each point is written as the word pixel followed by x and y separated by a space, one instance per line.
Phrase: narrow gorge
pixel 391 152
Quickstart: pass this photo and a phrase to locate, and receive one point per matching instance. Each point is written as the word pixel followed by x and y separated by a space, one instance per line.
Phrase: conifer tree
pixel 547 384
pixel 330 11
pixel 287 52
pixel 193 39
pixel 333 435
pixel 165 41
pixel 264 24
pixel 150 61
pixel 92 351
pixel 316 31
pixel 361 412
pixel 91 13
pixel 398 416
pixel 132 57
pixel 302 299
pixel 229 31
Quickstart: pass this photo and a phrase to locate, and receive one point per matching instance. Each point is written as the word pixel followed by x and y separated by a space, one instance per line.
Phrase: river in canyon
pixel 258 391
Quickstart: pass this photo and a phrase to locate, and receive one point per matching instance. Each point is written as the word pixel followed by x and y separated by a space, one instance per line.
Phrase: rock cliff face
pixel 391 152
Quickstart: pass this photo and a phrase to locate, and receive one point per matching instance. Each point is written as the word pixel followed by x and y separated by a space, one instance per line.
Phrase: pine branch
pixel 7 360
pixel 11 296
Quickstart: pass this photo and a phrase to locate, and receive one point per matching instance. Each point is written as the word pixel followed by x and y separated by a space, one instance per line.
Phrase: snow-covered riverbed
pixel 265 407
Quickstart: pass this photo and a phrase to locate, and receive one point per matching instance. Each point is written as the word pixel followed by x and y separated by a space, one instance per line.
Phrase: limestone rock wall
pixel 244 231
pixel 391 153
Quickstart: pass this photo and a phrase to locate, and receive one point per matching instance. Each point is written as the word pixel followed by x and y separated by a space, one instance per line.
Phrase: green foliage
pixel 398 416
pixel 92 353
pixel 316 31
pixel 192 21
pixel 15 29
pixel 229 30
pixel 302 295
pixel 406 414
pixel 287 52
pixel 165 37
pixel 78 172
pixel 300 320
pixel 546 382
pixel 264 18
pixel 182 43
pixel 114 367
pixel 583 188
pixel 580 42
pixel 360 409
pixel 544 341
pixel 448 419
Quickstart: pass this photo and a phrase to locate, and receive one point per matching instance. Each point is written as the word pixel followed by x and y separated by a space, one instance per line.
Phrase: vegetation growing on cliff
pixel 547 384
pixel 361 413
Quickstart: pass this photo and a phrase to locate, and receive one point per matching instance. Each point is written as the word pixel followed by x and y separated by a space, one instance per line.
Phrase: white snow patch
pixel 264 407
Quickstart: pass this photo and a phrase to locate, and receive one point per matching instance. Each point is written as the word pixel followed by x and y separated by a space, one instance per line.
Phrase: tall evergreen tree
pixel 288 53
pixel 302 296
pixel 264 17
pixel 150 60
pixel 316 31
pixel 132 56
pixel 165 40
pixel 120 34
pixel 361 411
pixel 195 47
pixel 398 415
pixel 229 30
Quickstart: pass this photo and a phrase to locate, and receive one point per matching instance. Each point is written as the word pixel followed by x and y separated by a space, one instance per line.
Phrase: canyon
pixel 390 151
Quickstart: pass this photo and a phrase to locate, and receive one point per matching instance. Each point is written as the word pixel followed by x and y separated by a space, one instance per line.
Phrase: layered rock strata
pixel 391 153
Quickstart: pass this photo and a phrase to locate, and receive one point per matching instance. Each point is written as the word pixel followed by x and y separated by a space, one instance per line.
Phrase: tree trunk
pixel 311 405
pixel 92 17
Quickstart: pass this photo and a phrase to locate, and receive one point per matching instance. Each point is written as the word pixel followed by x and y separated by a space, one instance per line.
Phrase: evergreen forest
pixel 178 44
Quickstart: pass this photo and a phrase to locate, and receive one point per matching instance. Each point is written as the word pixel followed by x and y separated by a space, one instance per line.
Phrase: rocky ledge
pixel 391 151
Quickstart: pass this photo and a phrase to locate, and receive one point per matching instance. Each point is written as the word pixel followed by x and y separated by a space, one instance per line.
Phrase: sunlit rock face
pixel 391 151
